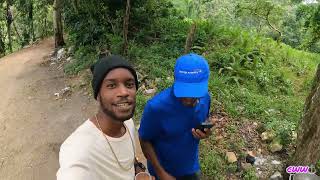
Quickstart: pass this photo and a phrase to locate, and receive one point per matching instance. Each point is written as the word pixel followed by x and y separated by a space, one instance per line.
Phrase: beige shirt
pixel 86 155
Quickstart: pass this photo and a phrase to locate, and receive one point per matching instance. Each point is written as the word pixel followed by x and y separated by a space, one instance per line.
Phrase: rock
pixel 259 173
pixel 259 161
pixel 169 78
pixel 251 153
pixel 29 97
pixel 276 176
pixel 264 136
pixel 66 91
pixel 218 138
pixel 305 177
pixel 272 110
pixel 138 126
pixel 150 91
pixel 250 159
pixel 61 53
pixel 57 95
pixel 71 50
pixel 246 166
pixel 53 59
pixel 85 93
pixel 69 59
pixel 223 114
pixel 157 80
pixel 275 162
pixel 104 52
pixel 231 157
pixel 82 84
pixel 294 135
pixel 259 151
pixel 240 108
pixel 52 53
pixel 63 92
pixel 275 147
pixel 267 136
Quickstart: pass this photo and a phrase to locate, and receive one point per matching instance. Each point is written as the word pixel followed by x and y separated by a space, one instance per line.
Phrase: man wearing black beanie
pixel 104 65
pixel 103 147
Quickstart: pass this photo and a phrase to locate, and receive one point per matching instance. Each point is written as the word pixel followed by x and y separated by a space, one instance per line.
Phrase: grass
pixel 251 77
pixel 212 162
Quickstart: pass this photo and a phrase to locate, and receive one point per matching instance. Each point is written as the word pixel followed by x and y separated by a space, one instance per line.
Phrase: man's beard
pixel 107 111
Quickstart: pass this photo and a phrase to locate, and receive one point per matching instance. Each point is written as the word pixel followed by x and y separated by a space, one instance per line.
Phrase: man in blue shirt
pixel 167 131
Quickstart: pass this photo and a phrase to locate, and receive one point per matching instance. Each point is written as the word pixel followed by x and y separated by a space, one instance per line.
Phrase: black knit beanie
pixel 104 65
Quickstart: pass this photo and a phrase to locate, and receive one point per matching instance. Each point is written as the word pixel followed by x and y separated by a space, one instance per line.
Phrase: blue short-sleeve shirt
pixel 167 124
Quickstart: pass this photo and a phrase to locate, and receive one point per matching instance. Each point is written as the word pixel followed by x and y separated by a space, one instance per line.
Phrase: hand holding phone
pixel 204 125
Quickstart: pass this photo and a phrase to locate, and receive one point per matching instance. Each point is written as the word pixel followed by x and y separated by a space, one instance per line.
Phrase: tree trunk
pixel 125 28
pixel 2 45
pixel 44 33
pixel 75 4
pixel 308 144
pixel 279 38
pixel 190 37
pixel 17 32
pixel 57 23
pixel 31 29
pixel 9 22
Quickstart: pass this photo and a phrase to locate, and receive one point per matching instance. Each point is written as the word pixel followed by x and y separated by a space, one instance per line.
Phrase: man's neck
pixel 108 126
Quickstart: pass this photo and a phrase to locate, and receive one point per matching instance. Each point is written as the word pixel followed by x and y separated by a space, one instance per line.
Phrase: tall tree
pixel 190 37
pixel 126 27
pixel 308 145
pixel 2 45
pixel 314 27
pixel 57 23
pixel 263 12
pixel 30 18
pixel 193 11
pixel 9 18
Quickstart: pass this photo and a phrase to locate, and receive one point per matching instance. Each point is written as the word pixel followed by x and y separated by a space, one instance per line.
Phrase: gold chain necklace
pixel 114 154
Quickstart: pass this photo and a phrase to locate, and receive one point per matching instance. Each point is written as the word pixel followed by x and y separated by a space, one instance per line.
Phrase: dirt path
pixel 32 123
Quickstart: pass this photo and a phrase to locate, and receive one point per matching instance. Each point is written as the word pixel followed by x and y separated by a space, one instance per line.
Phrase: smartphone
pixel 203 125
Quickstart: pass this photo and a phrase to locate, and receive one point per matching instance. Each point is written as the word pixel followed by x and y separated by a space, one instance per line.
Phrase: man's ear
pixel 98 97
pixel 92 68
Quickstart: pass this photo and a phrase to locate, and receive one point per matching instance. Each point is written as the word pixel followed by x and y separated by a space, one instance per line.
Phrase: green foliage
pixel 99 23
pixel 212 163
pixel 315 29
pixel 318 167
pixel 250 174
pixel 252 76
pixel 87 23
pixel 141 100
pixel 85 58
pixel 149 59
pixel 32 20
pixel 266 16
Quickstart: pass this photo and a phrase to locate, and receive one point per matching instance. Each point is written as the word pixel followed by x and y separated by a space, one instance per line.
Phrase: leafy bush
pixel 85 57
pixel 251 76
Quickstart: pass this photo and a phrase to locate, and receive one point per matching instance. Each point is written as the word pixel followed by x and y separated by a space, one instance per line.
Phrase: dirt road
pixel 33 124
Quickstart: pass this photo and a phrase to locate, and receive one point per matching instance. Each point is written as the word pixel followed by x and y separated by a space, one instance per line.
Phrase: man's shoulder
pixel 207 97
pixel 79 142
pixel 162 99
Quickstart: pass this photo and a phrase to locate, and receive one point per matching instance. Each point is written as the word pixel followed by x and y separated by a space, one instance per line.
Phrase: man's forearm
pixel 150 154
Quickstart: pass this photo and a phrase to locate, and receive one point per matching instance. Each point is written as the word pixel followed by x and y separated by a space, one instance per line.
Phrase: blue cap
pixel 191 74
